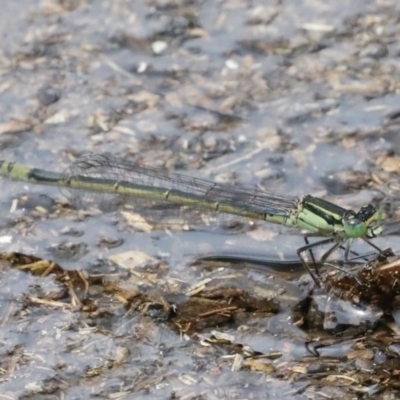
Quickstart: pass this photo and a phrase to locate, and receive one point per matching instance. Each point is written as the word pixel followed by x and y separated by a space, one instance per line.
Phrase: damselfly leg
pixel 339 244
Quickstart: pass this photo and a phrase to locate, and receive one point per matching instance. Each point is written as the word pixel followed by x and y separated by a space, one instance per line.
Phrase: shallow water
pixel 297 98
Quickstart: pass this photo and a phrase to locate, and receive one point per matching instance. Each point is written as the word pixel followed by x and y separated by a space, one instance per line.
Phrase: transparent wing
pixel 160 195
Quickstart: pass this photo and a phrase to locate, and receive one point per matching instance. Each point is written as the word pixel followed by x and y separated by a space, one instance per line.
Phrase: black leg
pixel 306 241
pixel 339 244
pixel 346 272
pixel 332 249
pixel 347 250
pixel 310 252
pixel 309 247
pixel 379 250
pixel 358 256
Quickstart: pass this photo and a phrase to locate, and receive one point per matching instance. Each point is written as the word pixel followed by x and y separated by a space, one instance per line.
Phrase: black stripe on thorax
pixel 322 207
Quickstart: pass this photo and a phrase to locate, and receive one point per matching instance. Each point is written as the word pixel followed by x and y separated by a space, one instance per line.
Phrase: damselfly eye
pixel 366 212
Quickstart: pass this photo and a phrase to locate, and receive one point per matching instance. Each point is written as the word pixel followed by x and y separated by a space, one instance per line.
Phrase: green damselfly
pixel 130 181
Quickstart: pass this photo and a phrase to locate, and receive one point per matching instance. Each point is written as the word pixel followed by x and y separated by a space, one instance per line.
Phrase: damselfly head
pixel 365 223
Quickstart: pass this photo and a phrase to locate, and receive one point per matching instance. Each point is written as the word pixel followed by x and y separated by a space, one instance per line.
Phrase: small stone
pixel 159 46
pixel 374 50
pixel 231 64
pixel 48 95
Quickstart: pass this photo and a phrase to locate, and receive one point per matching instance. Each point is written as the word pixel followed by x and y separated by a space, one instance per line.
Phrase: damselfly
pixel 130 181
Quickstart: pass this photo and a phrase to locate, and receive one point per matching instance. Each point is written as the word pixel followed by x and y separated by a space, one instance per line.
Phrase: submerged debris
pixel 360 314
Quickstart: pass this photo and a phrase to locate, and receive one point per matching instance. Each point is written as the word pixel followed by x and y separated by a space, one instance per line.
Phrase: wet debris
pixel 69 250
pixel 214 315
